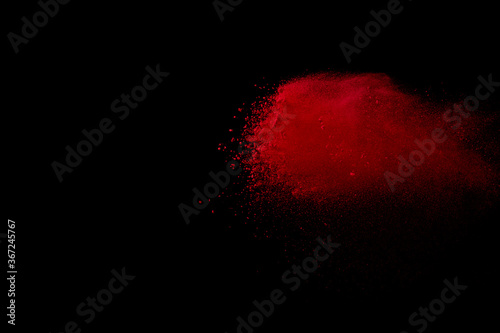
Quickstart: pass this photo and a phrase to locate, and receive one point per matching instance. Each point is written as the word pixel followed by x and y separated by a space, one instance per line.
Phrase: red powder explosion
pixel 322 145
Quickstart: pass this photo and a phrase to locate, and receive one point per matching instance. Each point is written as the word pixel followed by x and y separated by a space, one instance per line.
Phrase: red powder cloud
pixel 347 131
pixel 322 170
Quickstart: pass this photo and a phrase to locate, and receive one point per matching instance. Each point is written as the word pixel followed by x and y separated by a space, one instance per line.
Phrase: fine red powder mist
pixel 321 171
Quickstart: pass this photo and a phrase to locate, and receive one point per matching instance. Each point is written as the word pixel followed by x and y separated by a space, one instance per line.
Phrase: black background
pixel 119 207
